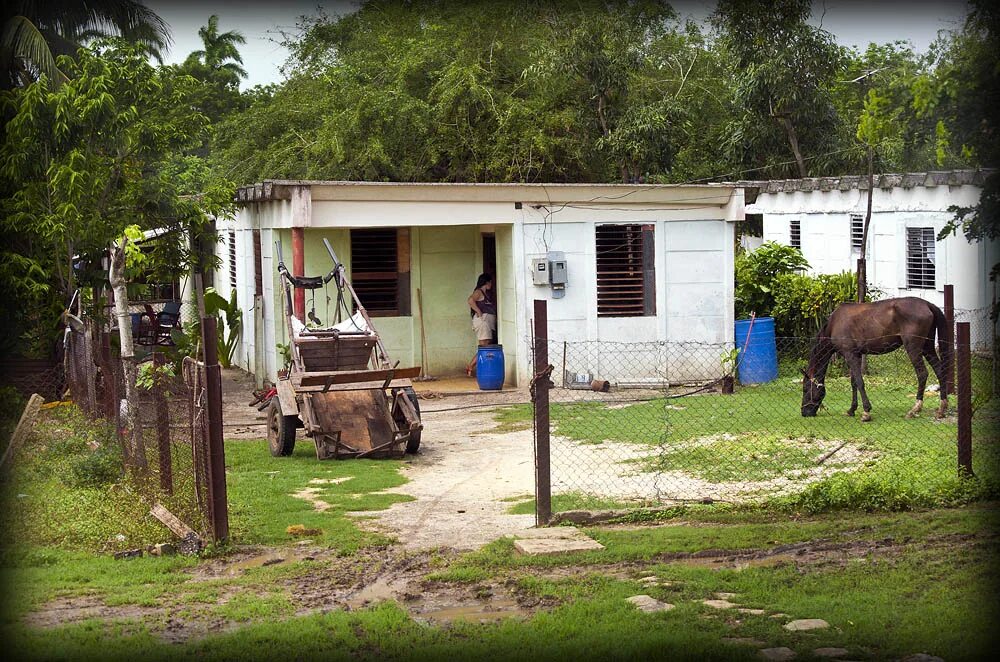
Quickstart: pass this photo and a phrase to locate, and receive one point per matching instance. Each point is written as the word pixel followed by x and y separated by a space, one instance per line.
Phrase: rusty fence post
pixel 540 396
pixel 964 383
pixel 949 339
pixel 162 425
pixel 110 394
pixel 218 508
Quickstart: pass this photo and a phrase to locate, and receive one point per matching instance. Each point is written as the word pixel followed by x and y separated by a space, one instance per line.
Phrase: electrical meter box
pixel 557 268
pixel 540 271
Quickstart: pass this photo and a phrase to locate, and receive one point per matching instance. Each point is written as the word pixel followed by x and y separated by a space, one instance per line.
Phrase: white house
pixel 642 263
pixel 824 216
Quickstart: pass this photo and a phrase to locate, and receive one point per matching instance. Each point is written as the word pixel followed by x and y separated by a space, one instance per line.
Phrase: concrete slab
pixel 806 624
pixel 649 604
pixel 555 540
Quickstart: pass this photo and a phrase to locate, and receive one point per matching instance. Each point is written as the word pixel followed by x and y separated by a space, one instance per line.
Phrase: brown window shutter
pixel 625 264
pixel 648 270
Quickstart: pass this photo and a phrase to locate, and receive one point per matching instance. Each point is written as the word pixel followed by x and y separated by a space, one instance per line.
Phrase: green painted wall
pixel 448 261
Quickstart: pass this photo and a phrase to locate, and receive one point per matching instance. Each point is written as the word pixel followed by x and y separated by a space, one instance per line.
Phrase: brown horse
pixel 856 329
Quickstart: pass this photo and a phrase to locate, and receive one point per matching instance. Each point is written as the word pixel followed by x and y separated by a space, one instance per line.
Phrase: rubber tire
pixel 413 444
pixel 280 430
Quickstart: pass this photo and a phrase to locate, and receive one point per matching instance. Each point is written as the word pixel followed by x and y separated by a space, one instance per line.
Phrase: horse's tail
pixel 941 329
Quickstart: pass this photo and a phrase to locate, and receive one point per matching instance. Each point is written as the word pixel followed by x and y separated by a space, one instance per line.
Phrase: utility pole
pixel 862 265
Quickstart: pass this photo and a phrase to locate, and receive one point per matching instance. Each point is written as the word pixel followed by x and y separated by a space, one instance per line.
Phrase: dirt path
pixel 460 480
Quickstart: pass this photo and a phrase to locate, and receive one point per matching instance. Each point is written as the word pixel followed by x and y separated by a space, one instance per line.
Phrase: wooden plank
pixel 346 376
pixel 24 427
pixel 169 520
pixel 355 386
pixel 286 398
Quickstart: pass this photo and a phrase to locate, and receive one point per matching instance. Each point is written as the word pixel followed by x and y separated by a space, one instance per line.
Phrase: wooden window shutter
pixel 380 270
pixel 258 269
pixel 625 270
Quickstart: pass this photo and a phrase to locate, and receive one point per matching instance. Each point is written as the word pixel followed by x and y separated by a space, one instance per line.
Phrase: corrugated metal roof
pixel 883 181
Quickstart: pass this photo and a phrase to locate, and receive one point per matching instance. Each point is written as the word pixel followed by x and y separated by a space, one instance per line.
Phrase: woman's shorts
pixel 484 325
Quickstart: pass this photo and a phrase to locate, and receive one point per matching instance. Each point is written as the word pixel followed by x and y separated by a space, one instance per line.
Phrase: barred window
pixel 380 270
pixel 258 270
pixel 920 258
pixel 857 231
pixel 232 259
pixel 795 234
pixel 625 271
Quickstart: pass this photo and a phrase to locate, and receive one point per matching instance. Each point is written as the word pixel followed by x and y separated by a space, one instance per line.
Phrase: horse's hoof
pixel 865 417
pixel 910 414
pixel 849 412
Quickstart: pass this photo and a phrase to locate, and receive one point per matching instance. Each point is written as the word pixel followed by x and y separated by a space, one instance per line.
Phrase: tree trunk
pixel 116 275
pixel 793 142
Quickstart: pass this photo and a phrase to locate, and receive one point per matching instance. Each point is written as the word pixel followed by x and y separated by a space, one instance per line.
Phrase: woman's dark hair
pixel 482 280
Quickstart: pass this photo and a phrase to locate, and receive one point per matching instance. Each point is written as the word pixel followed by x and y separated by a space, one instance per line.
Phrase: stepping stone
pixel 830 652
pixel 755 612
pixel 779 615
pixel 806 624
pixel 777 654
pixel 718 604
pixel 557 540
pixel 648 604
pixel 649 580
pixel 921 657
pixel 725 596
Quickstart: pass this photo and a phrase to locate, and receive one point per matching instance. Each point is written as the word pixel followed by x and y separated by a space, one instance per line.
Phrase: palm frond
pixel 24 52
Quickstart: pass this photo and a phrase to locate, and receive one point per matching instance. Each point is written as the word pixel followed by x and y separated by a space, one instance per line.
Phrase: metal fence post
pixel 964 384
pixel 540 396
pixel 949 339
pixel 162 425
pixel 219 512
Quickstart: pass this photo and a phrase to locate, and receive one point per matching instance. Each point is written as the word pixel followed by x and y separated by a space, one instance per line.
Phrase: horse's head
pixel 813 392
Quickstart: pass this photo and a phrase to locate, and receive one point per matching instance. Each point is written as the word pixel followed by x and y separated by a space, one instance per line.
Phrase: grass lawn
pixel 889 584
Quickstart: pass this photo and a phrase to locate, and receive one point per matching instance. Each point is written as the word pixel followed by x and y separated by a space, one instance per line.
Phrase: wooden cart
pixel 341 388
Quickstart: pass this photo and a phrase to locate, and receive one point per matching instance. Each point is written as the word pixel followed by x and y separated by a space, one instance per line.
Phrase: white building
pixel 824 216
pixel 643 263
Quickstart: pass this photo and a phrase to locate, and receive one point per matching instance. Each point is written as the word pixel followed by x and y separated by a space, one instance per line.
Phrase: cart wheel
pixel 280 430
pixel 414 442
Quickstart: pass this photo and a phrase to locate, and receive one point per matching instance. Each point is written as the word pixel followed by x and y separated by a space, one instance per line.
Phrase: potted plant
pixel 728 361
pixel 285 351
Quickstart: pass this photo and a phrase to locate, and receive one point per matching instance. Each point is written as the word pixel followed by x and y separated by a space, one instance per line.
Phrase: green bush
pixel 96 468
pixel 802 304
pixel 756 273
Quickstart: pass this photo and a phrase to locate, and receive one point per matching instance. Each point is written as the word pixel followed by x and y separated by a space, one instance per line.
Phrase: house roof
pixel 714 194
pixel 881 181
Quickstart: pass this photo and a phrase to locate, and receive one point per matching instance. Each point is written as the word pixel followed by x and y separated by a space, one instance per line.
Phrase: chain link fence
pixel 171 457
pixel 667 422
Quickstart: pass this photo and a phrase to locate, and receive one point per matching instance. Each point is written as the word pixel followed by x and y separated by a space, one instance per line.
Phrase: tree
pixel 220 54
pixel 783 69
pixel 35 34
pixel 87 159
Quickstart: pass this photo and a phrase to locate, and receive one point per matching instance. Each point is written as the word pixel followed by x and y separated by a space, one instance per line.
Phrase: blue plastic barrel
pixel 758 358
pixel 489 367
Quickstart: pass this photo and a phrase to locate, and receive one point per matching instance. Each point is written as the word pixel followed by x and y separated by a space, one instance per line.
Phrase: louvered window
pixel 380 267
pixel 625 271
pixel 795 234
pixel 920 258
pixel 232 259
pixel 857 231
pixel 258 270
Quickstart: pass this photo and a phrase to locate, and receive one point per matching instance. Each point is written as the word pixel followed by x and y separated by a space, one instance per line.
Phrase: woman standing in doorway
pixel 484 315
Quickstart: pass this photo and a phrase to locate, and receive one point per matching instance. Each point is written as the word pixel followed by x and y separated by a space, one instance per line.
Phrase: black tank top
pixel 486 305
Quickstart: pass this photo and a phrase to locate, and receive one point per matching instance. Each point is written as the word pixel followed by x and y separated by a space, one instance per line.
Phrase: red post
pixel 218 507
pixel 162 426
pixel 964 383
pixel 299 269
pixel 540 396
pixel 949 339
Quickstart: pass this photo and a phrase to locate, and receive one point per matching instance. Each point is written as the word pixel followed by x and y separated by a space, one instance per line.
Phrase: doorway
pixel 490 267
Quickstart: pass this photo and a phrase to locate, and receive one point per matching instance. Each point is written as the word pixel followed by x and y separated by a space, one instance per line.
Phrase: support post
pixel 299 269
pixel 964 384
pixel 219 512
pixel 949 339
pixel 862 280
pixel 540 395
pixel 162 425
pixel 110 403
